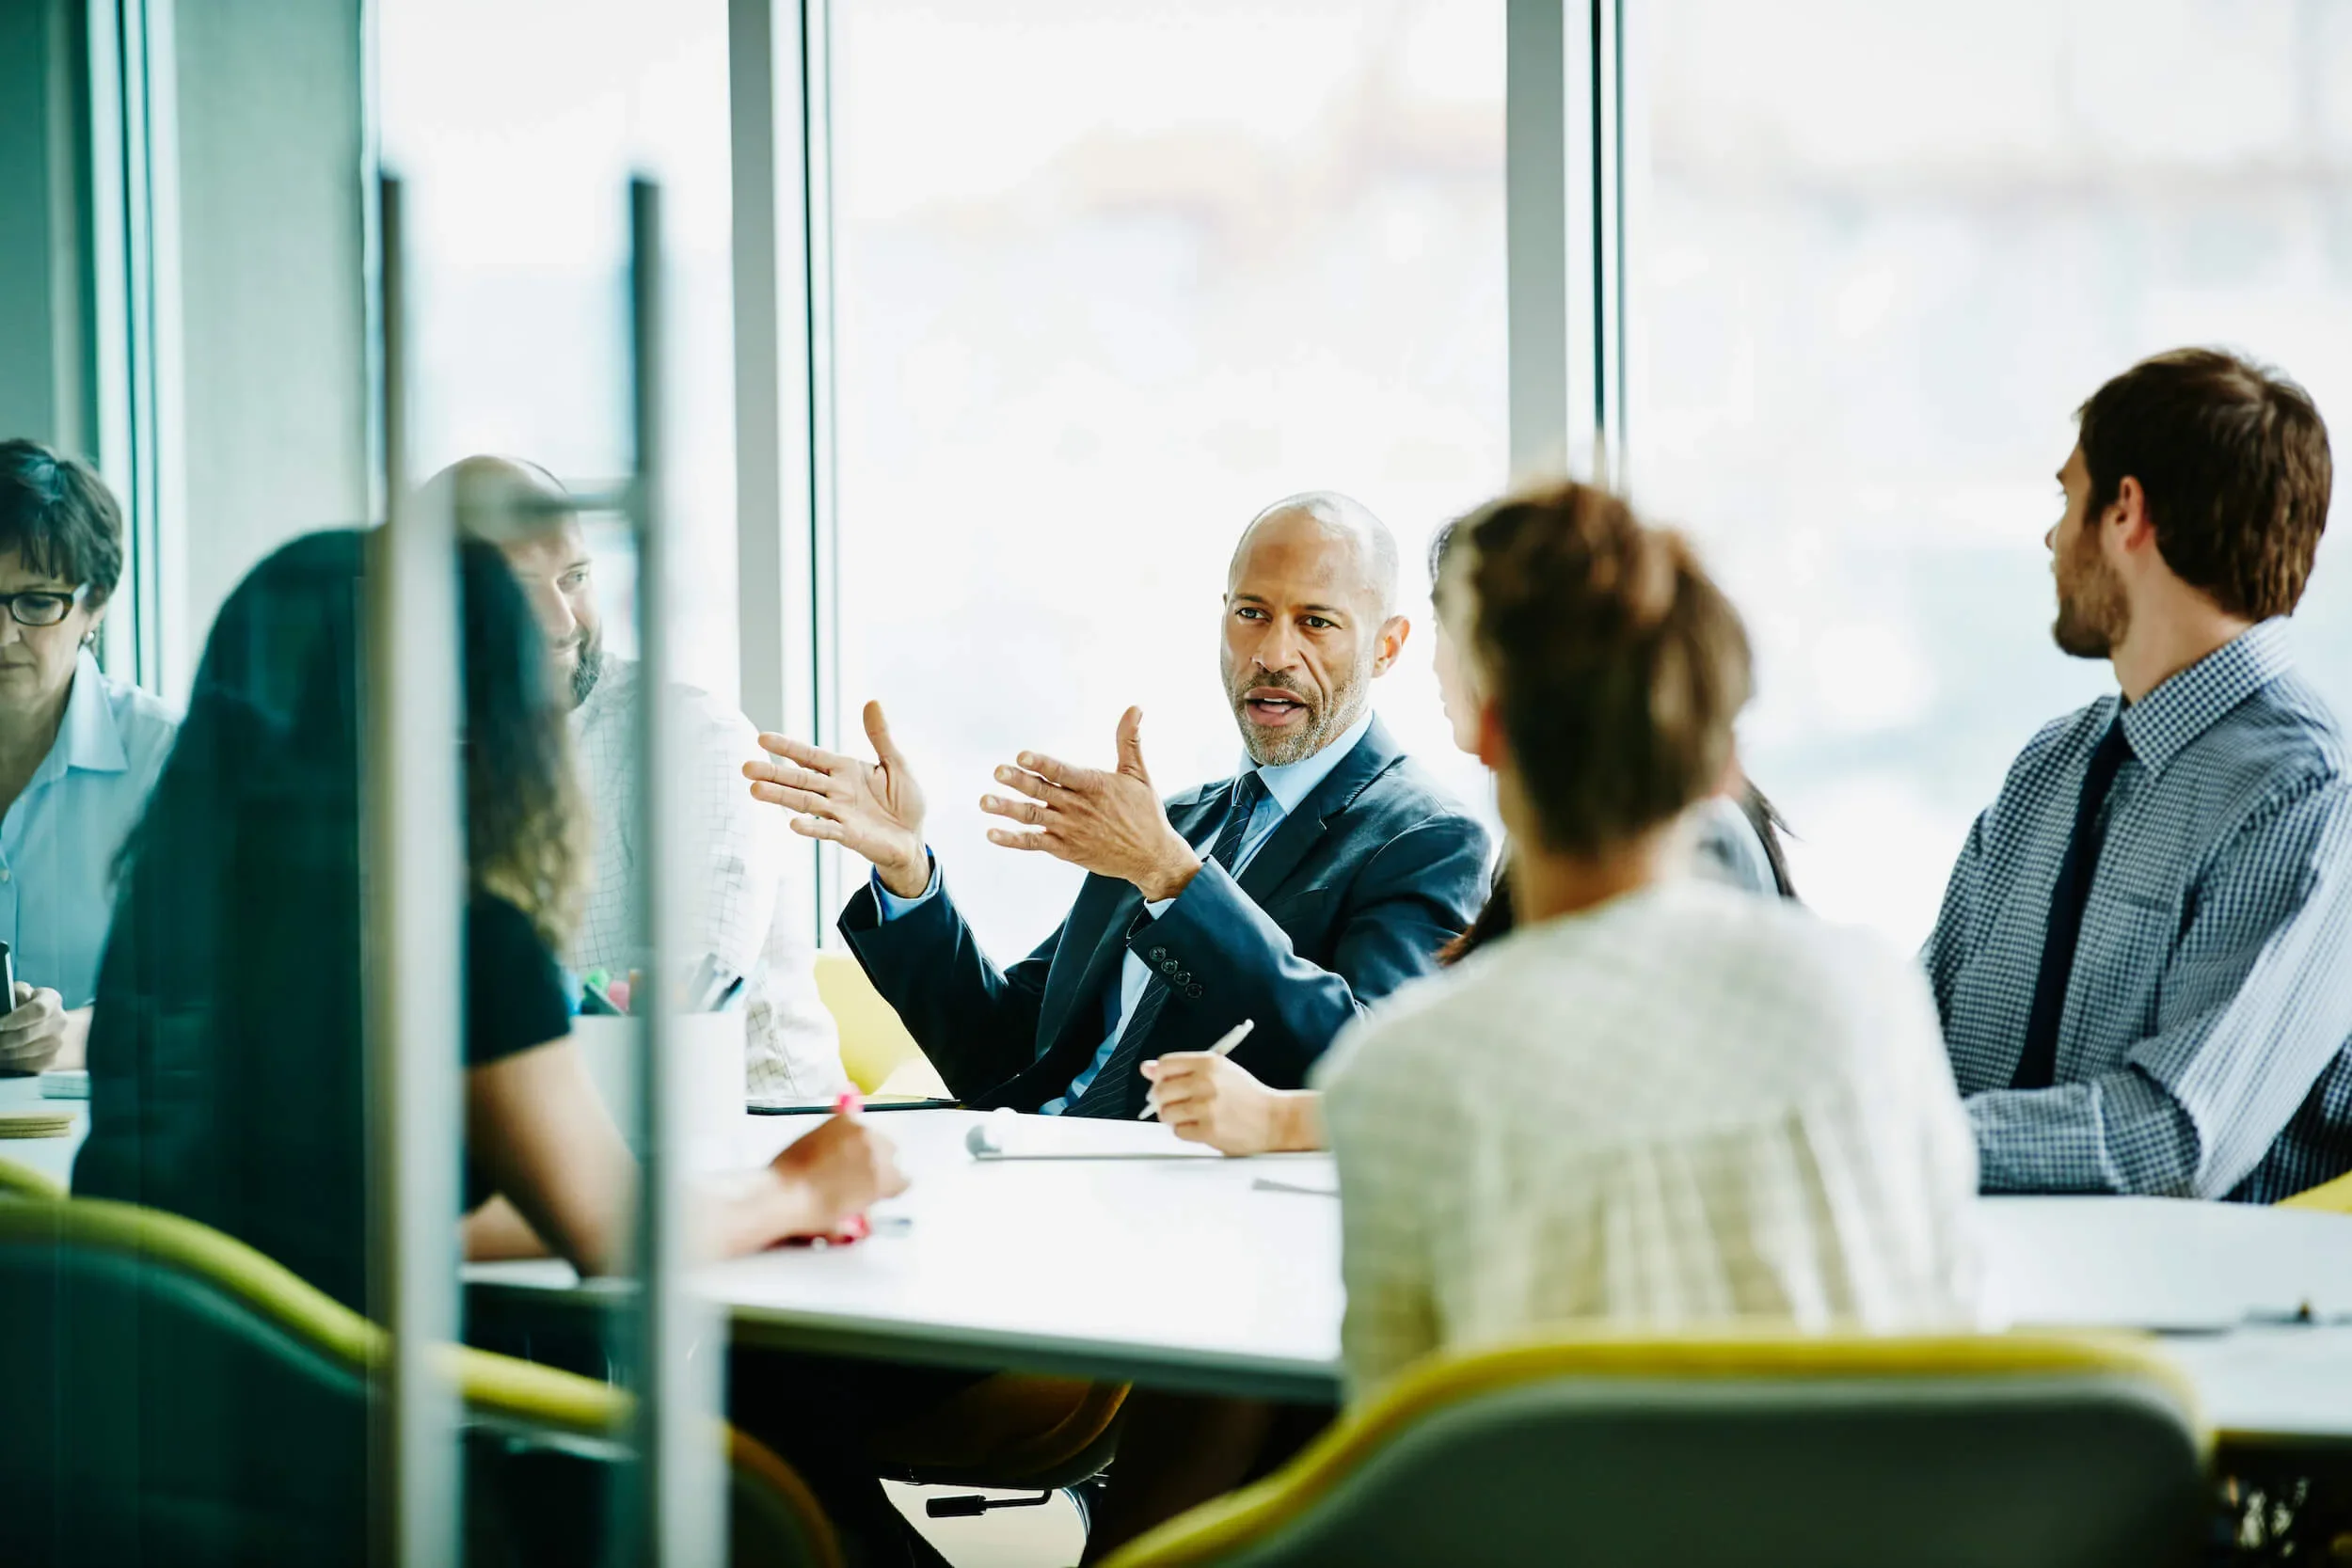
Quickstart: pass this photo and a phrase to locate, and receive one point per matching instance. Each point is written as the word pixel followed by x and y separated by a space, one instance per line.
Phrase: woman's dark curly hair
pixel 266 772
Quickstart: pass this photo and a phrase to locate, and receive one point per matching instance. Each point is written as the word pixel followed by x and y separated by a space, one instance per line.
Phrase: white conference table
pixel 1219 1275
pixel 52 1157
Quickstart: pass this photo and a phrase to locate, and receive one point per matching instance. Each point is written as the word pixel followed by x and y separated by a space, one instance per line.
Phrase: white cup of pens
pixel 704 1048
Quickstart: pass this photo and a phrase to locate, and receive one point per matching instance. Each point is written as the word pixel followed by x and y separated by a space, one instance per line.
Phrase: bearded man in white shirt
pixel 1658 1102
pixel 741 856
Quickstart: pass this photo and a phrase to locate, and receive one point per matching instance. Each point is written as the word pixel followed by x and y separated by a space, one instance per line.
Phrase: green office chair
pixel 1762 1450
pixel 177 1397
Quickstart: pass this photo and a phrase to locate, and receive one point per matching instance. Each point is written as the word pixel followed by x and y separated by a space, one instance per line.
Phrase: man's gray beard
pixel 1326 725
pixel 586 670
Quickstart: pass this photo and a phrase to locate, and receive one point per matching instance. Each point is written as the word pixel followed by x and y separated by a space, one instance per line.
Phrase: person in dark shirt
pixel 226 1073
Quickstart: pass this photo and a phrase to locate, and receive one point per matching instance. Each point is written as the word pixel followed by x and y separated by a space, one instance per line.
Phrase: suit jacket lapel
pixel 1303 828
pixel 1098 927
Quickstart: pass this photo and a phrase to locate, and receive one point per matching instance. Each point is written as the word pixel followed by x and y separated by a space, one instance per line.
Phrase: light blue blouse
pixel 59 840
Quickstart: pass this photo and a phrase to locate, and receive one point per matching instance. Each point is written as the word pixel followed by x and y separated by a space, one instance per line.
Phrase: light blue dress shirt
pixel 59 838
pixel 1285 788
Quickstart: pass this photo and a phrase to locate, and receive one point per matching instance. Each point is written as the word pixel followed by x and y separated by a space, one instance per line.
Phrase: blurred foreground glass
pixel 1881 255
pixel 1111 279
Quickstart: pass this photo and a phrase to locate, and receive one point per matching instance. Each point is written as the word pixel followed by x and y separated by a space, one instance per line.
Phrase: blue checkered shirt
pixel 2201 1052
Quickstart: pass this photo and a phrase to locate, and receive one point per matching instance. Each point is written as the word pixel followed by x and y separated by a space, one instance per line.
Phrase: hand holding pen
pixel 1222 1048
pixel 843 1167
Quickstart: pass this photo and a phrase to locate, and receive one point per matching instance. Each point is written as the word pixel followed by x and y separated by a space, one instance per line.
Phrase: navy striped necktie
pixel 2036 1067
pixel 1119 1089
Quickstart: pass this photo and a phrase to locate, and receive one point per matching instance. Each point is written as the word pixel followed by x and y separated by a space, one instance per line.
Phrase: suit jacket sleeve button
pixel 1192 991
pixel 1159 954
pixel 1168 968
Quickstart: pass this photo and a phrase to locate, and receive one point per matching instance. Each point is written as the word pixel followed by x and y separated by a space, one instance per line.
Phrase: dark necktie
pixel 1118 1090
pixel 2038 1066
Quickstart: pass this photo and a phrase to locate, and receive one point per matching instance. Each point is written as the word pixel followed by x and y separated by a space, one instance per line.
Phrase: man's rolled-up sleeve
pixel 2253 1004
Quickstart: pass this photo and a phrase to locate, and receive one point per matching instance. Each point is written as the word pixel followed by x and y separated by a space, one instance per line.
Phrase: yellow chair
pixel 2334 1197
pixel 874 1044
pixel 25 1182
pixel 1746 1451
pixel 192 1401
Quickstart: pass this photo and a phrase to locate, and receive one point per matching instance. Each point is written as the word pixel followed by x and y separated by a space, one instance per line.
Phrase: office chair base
pixel 972 1506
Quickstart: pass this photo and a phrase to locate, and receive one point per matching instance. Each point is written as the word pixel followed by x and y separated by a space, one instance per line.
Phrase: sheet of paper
pixel 1006 1136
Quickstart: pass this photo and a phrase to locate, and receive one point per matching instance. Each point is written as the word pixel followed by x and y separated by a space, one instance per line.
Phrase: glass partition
pixel 1881 253
pixel 1110 280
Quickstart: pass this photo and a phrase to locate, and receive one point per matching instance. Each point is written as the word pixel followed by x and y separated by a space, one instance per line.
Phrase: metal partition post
pixel 1563 168
pixel 680 1497
pixel 414 881
pixel 134 232
pixel 1608 222
pixel 830 724
pixel 778 386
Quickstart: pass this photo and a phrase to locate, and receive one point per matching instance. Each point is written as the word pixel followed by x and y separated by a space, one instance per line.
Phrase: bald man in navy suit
pixel 1324 875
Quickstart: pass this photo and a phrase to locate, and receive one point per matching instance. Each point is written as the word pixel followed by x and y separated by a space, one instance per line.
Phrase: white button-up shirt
pixel 1687 1105
pixel 739 866
pixel 59 839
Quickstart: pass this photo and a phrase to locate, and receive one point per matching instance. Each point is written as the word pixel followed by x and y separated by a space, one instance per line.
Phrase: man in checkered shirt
pixel 739 856
pixel 2141 959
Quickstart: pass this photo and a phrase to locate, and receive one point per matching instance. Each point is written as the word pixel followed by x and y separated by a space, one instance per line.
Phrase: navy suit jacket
pixel 1352 896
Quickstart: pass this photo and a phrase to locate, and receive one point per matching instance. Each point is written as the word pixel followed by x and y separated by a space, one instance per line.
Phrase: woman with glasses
pixel 78 750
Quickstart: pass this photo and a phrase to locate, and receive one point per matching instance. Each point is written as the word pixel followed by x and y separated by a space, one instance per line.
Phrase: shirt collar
pixel 88 737
pixel 2161 724
pixel 1290 782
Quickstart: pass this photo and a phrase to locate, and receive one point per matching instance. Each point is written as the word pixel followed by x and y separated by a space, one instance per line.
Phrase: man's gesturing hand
pixel 872 809
pixel 1111 824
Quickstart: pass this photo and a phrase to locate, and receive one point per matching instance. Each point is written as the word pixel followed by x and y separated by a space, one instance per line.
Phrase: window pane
pixel 517 124
pixel 1880 254
pixel 1110 279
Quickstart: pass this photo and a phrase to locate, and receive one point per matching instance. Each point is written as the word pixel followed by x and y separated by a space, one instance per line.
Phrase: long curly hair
pixel 271 744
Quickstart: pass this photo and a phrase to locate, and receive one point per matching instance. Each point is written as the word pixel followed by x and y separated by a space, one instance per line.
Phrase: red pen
pixel 856 1228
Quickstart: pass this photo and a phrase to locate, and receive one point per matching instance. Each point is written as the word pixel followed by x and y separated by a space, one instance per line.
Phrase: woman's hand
pixel 836 1172
pixel 1209 1099
pixel 37 1031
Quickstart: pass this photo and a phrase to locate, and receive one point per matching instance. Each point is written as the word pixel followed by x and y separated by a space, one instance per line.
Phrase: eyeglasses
pixel 43 607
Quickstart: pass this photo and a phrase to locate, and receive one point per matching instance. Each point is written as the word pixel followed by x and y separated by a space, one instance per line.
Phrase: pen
pixel 856 1228
pixel 1233 1036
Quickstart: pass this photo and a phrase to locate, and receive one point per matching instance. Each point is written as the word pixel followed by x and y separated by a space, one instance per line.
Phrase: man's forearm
pixel 2116 1134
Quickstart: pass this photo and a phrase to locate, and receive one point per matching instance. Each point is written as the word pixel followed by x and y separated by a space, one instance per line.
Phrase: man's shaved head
pixel 526 512
pixel 499 500
pixel 1341 520
pixel 1309 622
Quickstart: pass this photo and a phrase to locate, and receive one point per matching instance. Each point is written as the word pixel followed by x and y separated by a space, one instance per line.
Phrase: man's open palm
pixel 1111 824
pixel 872 809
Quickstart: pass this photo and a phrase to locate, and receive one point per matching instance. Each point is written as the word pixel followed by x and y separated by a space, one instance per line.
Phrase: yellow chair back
pixel 25 1182
pixel 2334 1197
pixel 874 1044
pixel 1752 1448
pixel 768 1494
